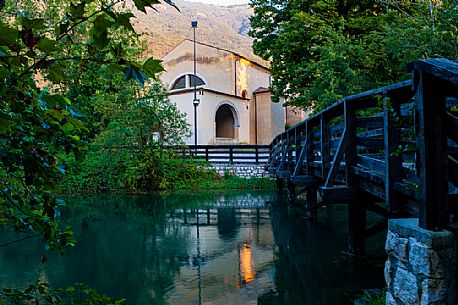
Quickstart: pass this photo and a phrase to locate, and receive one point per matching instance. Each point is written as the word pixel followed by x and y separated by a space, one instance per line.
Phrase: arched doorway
pixel 226 122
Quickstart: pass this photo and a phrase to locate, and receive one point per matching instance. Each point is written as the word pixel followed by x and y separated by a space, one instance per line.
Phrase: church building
pixel 234 104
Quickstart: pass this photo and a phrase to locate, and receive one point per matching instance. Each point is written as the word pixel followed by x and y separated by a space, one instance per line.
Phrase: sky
pixel 222 2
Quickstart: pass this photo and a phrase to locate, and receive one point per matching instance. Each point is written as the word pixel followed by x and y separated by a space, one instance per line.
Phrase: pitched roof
pixel 261 90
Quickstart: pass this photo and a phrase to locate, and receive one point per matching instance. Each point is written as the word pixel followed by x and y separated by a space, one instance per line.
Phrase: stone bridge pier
pixel 421 266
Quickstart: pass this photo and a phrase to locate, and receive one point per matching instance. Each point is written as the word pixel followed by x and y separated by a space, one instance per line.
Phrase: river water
pixel 201 248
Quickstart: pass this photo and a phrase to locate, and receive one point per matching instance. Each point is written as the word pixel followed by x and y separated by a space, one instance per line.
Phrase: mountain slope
pixel 222 26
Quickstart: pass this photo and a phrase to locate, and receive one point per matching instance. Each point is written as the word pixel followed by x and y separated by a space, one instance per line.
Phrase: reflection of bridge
pixel 379 146
pixel 214 217
pixel 245 207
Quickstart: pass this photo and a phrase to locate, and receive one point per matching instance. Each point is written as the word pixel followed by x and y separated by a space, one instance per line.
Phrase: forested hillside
pixel 222 26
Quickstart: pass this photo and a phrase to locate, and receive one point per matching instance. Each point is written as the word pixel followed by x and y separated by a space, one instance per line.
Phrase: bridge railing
pixel 227 154
pixel 398 143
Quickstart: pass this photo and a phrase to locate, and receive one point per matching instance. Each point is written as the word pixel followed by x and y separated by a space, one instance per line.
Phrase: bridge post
pixel 325 145
pixel 298 143
pixel 291 191
pixel 357 218
pixel 357 214
pixel 312 202
pixel 311 191
pixel 279 185
pixel 256 150
pixel 392 139
pixel 431 148
pixel 309 149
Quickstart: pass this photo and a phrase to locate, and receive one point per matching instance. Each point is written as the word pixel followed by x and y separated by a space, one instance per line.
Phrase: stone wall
pixel 421 265
pixel 243 170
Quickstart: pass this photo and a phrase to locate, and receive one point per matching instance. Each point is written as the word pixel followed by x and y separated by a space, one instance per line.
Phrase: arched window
pixel 198 80
pixel 187 81
pixel 180 83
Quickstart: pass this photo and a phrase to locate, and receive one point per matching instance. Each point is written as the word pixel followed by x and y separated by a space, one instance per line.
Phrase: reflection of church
pixel 230 252
pixel 235 105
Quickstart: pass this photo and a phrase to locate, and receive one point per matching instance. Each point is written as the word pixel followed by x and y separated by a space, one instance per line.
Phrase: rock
pixel 397 247
pixel 388 274
pixel 424 260
pixel 390 300
pixel 405 287
pixel 434 292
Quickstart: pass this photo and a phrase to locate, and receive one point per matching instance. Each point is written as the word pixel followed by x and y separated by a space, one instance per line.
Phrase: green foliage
pixel 39 126
pixel 371 299
pixel 43 293
pixel 153 168
pixel 237 183
pixel 41 45
pixel 131 131
pixel 159 170
pixel 321 51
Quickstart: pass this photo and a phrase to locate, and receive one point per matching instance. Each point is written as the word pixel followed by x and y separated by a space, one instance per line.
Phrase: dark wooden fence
pixel 397 144
pixel 227 154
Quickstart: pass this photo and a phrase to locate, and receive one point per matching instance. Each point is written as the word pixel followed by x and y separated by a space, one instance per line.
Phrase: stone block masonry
pixel 243 170
pixel 421 265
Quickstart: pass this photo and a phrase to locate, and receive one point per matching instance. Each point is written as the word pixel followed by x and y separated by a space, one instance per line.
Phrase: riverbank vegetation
pixel 152 169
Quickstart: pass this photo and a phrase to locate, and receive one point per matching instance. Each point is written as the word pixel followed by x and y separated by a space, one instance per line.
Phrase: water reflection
pixel 232 242
pixel 246 264
pixel 312 267
pixel 194 248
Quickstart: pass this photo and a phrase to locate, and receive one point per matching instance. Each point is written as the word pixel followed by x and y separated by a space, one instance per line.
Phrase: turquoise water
pixel 200 248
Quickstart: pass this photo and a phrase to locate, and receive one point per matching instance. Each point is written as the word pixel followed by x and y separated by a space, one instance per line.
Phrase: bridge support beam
pixel 421 265
pixel 279 185
pixel 357 219
pixel 312 202
pixel 291 191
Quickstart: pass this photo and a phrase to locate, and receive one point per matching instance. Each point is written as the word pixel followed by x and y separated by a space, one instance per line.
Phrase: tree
pixel 321 51
pixel 39 41
pixel 129 130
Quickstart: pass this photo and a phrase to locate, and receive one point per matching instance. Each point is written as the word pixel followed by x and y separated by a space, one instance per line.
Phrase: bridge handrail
pixel 227 153
pixel 394 89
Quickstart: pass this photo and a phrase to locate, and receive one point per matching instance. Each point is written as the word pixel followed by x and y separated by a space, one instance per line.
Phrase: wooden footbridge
pixel 397 145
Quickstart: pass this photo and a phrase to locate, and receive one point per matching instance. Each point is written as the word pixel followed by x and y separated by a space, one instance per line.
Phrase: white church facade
pixel 234 105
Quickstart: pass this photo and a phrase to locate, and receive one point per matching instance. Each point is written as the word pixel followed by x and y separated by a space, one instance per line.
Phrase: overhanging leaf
pixel 47 45
pixel 124 20
pixel 55 100
pixel 172 4
pixel 37 24
pixel 142 4
pixel 99 31
pixel 5 125
pixel 56 73
pixel 77 10
pixel 114 68
pixel 152 66
pixel 58 115
pixel 133 72
pixel 4 73
pixel 8 35
pixel 68 127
